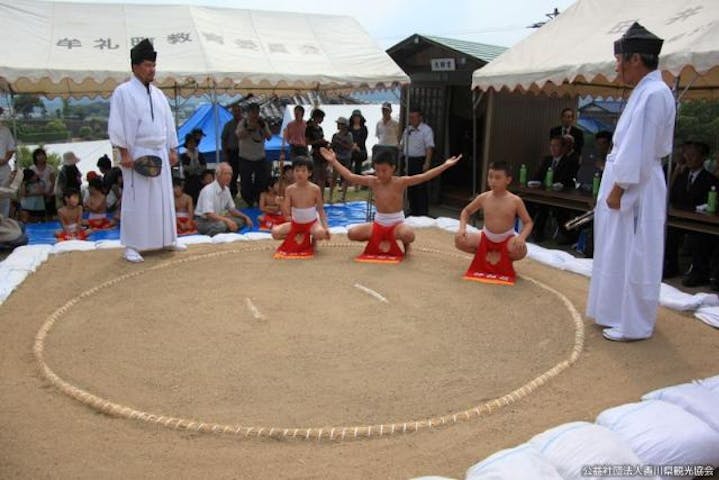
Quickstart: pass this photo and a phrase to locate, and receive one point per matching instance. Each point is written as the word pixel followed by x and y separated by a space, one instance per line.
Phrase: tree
pixel 85 132
pixel 25 104
pixel 699 121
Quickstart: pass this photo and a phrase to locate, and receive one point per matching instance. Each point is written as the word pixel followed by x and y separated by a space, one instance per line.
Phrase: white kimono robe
pixel 629 242
pixel 148 206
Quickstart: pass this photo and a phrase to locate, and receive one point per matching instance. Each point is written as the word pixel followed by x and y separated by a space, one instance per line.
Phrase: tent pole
pixel 487 135
pixel 177 106
pixel 216 116
pixel 476 99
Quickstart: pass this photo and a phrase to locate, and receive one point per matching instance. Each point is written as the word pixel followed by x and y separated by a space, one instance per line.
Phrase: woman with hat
pixel 69 177
pixel 359 134
pixel 193 164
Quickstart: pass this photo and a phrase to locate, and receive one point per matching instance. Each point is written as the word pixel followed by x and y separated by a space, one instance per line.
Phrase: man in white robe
pixel 141 124
pixel 631 207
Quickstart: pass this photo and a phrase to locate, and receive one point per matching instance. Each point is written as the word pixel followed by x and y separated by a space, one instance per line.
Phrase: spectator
pixel 68 178
pixel 184 208
pixel 32 197
pixel 96 206
pixel 193 164
pixel 254 169
pixel 344 147
pixel 418 148
pixel 47 175
pixel 70 215
pixel 7 150
pixel 230 147
pixel 316 138
pixel 567 128
pixel 387 133
pixel 294 135
pixel 216 211
pixel 358 129
pixel 595 164
pixel 689 190
pixel 111 182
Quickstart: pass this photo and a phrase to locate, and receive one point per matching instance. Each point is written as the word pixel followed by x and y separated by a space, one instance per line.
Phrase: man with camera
pixel 254 169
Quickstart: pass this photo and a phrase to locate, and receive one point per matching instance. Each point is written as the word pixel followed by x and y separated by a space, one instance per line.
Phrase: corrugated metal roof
pixel 481 51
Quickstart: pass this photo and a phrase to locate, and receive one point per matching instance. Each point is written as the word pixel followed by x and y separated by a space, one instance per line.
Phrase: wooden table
pixel 583 201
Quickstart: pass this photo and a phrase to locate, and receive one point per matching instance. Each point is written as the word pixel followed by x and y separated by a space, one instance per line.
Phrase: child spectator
pixel 96 205
pixel 497 246
pixel 342 144
pixel 69 177
pixel 304 206
pixel 32 197
pixel 208 176
pixel 70 216
pixel 270 205
pixel 287 178
pixel 184 209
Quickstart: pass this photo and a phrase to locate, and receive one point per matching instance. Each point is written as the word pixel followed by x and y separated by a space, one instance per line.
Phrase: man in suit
pixel 690 189
pixel 564 162
pixel 567 128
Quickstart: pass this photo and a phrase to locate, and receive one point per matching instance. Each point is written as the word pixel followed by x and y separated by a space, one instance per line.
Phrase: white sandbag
pixel 663 434
pixel 338 230
pixel 675 299
pixel 700 401
pixel 108 244
pixel 712 383
pixel 228 238
pixel 27 257
pixel 10 278
pixel 420 222
pixel 519 463
pixel 72 246
pixel 431 477
pixel 708 315
pixel 448 224
pixel 259 236
pixel 581 450
pixel 194 240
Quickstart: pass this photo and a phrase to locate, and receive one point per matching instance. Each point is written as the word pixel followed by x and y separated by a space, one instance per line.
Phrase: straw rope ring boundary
pixel 336 433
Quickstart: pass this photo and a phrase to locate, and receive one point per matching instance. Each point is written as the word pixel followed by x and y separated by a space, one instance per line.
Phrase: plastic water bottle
pixel 549 178
pixel 712 201
pixel 523 175
pixel 595 185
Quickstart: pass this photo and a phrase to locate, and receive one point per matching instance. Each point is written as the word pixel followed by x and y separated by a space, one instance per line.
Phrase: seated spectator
pixel 184 209
pixel 193 164
pixel 47 175
pixel 564 162
pixel 70 216
pixel 32 197
pixel 567 127
pixel 96 205
pixel 287 179
pixel 111 182
pixel 216 211
pixel 208 176
pixel 690 189
pixel 68 178
pixel 595 164
pixel 270 205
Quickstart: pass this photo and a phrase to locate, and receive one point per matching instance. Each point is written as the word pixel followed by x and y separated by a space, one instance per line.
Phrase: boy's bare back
pixel 69 215
pixel 500 211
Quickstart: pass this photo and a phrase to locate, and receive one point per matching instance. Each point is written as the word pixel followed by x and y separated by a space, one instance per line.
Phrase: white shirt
pixel 387 132
pixel 416 141
pixel 214 199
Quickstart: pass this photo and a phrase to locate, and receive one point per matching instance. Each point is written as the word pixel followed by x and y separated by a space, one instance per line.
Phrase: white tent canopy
pixel 573 54
pixel 77 49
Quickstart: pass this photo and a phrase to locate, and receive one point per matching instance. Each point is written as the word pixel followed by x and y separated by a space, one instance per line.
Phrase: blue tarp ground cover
pixel 338 215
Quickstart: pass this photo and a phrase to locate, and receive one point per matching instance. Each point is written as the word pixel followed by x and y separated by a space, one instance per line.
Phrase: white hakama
pixel 144 128
pixel 629 242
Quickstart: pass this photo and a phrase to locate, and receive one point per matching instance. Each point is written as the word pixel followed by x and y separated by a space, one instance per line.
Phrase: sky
pixel 495 22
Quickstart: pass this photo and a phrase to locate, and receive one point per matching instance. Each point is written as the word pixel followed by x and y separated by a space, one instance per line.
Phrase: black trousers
pixel 234 161
pixel 254 177
pixel 418 195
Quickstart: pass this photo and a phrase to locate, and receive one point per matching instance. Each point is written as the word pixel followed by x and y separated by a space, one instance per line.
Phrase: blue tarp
pixel 204 118
pixel 338 215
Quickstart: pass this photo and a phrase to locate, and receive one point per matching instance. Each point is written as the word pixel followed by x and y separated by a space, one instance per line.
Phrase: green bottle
pixel 549 178
pixel 523 175
pixel 595 185
pixel 712 201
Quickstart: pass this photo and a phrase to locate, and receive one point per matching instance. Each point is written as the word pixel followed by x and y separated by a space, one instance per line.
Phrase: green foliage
pixel 24 158
pixel 699 121
pixel 25 104
pixel 86 132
